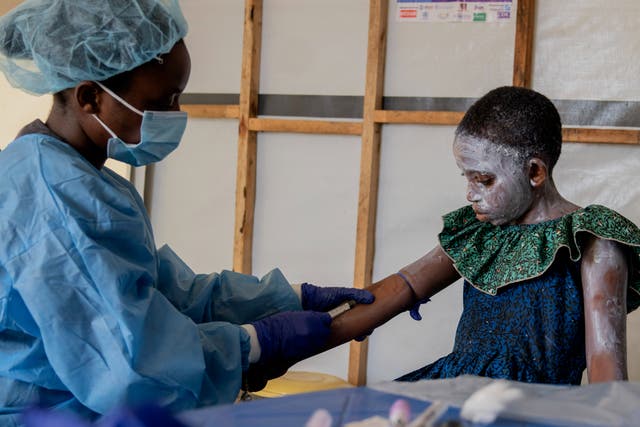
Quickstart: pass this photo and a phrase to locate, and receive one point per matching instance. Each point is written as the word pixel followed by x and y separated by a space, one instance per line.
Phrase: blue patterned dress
pixel 523 315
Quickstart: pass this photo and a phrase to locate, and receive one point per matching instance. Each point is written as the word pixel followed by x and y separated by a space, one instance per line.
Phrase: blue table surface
pixel 345 406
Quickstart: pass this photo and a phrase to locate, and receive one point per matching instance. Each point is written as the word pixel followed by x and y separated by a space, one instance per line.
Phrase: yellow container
pixel 296 382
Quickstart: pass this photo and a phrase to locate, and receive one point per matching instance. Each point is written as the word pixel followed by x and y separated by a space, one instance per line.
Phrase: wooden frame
pixel 247 138
pixel 305 126
pixel 369 172
pixel 523 49
pixel 204 111
pixel 601 135
pixel 368 128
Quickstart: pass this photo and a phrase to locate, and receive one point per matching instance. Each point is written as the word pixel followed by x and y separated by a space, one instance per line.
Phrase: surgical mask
pixel 160 134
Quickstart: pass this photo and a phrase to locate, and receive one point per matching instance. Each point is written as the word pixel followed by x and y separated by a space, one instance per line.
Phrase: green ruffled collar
pixel 490 257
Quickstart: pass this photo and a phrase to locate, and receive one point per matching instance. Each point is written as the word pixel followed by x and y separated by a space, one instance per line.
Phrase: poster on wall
pixel 454 10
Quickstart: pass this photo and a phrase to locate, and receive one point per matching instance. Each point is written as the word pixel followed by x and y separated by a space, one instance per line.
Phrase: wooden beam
pixel 369 171
pixel 418 117
pixel 523 50
pixel 305 126
pixel 208 111
pixel 601 136
pixel 247 139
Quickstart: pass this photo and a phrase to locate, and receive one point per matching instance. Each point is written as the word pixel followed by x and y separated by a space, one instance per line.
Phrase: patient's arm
pixel 428 275
pixel 605 274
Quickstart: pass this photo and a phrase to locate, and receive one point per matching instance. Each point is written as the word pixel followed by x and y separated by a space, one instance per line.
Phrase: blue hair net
pixel 50 45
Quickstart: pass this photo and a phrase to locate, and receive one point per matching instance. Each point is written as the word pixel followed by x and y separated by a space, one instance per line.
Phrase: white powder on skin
pixel 498 186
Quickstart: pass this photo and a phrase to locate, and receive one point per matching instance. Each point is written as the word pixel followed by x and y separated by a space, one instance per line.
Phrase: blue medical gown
pixel 91 314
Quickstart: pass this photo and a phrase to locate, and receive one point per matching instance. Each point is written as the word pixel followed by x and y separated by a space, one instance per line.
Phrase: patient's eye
pixel 483 179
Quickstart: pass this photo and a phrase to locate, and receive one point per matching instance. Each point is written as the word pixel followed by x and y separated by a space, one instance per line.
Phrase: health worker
pixel 92 314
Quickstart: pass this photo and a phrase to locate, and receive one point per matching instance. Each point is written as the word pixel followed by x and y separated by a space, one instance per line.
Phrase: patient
pixel 547 284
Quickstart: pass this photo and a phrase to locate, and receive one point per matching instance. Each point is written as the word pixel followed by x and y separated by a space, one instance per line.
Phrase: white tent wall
pixel 18 109
pixel 587 49
pixel 192 202
pixel 307 185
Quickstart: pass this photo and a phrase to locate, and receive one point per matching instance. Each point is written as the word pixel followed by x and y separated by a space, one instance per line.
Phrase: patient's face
pixel 497 185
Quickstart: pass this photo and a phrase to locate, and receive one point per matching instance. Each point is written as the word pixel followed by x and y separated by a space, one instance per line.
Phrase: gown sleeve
pixel 227 296
pixel 123 344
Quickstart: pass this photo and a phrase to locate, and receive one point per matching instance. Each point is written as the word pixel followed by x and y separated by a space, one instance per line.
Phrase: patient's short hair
pixel 519 118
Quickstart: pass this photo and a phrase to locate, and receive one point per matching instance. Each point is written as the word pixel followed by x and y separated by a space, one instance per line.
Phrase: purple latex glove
pixel 319 298
pixel 292 335
pixel 285 339
pixel 414 311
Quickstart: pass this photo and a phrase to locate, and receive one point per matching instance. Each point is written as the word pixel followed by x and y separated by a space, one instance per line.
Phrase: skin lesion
pixel 604 281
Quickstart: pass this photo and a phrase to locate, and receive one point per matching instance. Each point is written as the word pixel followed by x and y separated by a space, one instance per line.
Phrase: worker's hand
pixel 292 335
pixel 285 339
pixel 414 312
pixel 319 298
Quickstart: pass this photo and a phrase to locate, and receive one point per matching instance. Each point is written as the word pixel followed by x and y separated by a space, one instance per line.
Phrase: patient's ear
pixel 538 172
